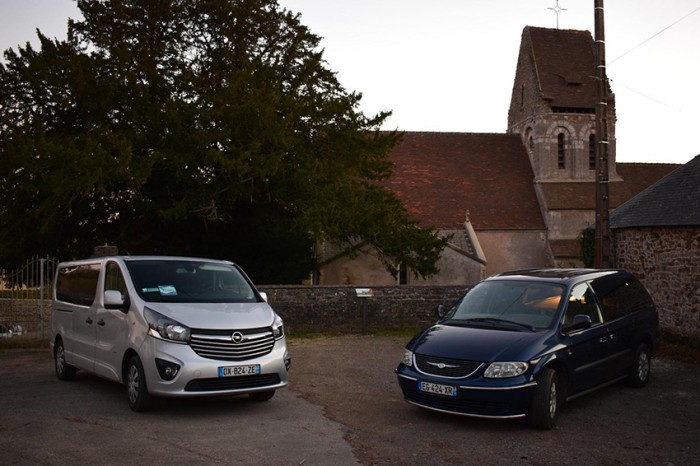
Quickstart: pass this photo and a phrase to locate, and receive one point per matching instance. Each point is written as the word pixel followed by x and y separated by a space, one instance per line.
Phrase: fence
pixel 24 294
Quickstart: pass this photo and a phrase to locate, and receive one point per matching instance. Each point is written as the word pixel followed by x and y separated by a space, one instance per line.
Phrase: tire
pixel 136 388
pixel 262 396
pixel 64 371
pixel 546 401
pixel 641 367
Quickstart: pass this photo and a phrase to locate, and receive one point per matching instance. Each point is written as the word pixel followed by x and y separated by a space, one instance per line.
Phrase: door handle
pixel 88 320
pixel 101 322
pixel 603 339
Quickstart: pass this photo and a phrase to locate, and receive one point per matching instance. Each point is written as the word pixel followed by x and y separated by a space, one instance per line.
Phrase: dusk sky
pixel 449 65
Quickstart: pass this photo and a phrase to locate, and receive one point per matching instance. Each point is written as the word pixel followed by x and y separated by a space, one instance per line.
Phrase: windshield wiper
pixel 490 320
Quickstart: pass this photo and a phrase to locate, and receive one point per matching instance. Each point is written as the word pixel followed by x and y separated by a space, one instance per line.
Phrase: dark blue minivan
pixel 521 343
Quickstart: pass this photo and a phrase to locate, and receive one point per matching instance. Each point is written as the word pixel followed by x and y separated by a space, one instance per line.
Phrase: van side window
pixel 582 301
pixel 114 280
pixel 77 285
pixel 620 296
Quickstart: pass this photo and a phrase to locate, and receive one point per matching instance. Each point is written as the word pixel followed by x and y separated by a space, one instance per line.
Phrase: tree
pixel 212 127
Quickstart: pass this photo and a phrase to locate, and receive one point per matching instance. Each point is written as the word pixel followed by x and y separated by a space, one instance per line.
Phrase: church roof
pixel 577 195
pixel 565 63
pixel 672 201
pixel 441 176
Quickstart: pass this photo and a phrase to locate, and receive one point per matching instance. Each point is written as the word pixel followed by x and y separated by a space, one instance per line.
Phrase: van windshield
pixel 520 303
pixel 181 281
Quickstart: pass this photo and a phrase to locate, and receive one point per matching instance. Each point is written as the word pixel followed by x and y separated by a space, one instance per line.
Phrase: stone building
pixel 656 236
pixel 516 199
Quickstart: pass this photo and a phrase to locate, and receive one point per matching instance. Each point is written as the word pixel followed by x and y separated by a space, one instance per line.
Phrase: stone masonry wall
pixel 304 308
pixel 667 261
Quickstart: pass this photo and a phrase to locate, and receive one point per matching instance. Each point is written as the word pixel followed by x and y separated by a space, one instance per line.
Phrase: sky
pixel 449 65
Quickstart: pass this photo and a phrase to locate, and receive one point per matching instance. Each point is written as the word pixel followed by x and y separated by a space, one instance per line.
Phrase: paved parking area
pixel 343 407
pixel 87 421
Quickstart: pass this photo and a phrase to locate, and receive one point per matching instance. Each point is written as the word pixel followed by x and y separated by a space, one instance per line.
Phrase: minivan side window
pixel 582 301
pixel 114 280
pixel 77 284
pixel 620 296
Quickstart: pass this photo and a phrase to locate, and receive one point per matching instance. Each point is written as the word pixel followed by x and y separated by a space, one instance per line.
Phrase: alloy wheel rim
pixel 553 400
pixel 133 384
pixel 643 369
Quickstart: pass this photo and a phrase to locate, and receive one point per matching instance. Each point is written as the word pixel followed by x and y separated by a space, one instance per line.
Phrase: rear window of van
pixel 77 284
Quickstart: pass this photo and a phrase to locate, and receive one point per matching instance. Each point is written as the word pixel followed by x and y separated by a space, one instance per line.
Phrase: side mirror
pixel 440 311
pixel 114 300
pixel 263 295
pixel 580 322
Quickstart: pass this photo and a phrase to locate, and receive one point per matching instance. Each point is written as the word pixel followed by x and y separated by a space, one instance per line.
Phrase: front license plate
pixel 234 371
pixel 436 388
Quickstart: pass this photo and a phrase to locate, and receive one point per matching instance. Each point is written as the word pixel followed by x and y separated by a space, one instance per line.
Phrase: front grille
pixel 219 344
pixel 445 367
pixel 232 383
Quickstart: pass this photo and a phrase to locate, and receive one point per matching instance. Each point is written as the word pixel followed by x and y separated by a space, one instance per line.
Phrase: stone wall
pixel 667 261
pixel 304 308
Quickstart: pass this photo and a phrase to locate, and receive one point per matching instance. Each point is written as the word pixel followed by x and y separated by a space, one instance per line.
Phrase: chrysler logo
pixel 237 337
pixel 441 365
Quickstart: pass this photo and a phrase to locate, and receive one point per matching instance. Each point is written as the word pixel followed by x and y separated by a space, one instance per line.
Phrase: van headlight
pixel 501 370
pixel 165 328
pixel 277 327
pixel 407 357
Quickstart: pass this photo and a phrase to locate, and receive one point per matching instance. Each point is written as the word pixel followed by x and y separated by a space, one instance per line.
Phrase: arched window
pixel 561 151
pixel 591 152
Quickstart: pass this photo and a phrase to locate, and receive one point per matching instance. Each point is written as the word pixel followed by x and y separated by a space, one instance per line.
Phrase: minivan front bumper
pixel 482 400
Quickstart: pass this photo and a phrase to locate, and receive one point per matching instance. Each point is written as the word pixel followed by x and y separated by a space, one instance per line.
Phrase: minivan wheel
pixel 641 367
pixel 545 403
pixel 64 371
pixel 136 389
pixel 262 396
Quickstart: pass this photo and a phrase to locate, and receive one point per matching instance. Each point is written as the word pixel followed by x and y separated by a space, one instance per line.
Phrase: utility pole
pixel 602 201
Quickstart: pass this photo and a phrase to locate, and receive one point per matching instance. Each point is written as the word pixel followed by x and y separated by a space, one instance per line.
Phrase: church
pixel 509 200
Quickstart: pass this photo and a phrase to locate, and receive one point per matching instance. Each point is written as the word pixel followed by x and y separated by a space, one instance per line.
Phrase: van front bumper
pixel 198 376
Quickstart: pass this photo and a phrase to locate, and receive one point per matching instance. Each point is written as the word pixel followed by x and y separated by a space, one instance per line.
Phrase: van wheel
pixel 64 371
pixel 136 388
pixel 262 396
pixel 641 367
pixel 545 403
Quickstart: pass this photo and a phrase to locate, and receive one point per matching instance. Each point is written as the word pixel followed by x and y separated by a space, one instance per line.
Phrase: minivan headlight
pixel 277 327
pixel 165 328
pixel 407 357
pixel 501 370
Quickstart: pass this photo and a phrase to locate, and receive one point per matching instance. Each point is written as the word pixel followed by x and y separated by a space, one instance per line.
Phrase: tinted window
pixel 189 282
pixel 77 285
pixel 621 295
pixel 582 302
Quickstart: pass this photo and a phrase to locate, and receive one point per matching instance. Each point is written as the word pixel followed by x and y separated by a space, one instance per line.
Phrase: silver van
pixel 167 326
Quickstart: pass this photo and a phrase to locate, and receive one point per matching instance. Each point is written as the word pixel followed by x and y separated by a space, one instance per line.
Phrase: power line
pixel 650 38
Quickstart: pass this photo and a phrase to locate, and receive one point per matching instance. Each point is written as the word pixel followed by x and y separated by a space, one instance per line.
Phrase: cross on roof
pixel 557 9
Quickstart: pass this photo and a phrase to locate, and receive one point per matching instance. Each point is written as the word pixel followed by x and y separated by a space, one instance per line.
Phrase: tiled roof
pixel 565 63
pixel 441 176
pixel 577 195
pixel 672 201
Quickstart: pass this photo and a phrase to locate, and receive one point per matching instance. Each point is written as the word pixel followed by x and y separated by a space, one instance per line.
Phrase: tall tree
pixel 212 127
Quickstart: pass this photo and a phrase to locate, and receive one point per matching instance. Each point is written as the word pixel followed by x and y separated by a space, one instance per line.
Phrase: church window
pixel 591 152
pixel 561 150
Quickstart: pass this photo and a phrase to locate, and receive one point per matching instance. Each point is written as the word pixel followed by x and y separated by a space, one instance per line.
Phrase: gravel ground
pixel 352 378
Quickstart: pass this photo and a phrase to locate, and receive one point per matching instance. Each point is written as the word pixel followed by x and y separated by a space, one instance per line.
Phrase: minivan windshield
pixel 512 304
pixel 181 281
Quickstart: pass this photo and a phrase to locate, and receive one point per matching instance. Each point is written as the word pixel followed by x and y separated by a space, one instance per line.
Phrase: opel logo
pixel 237 337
